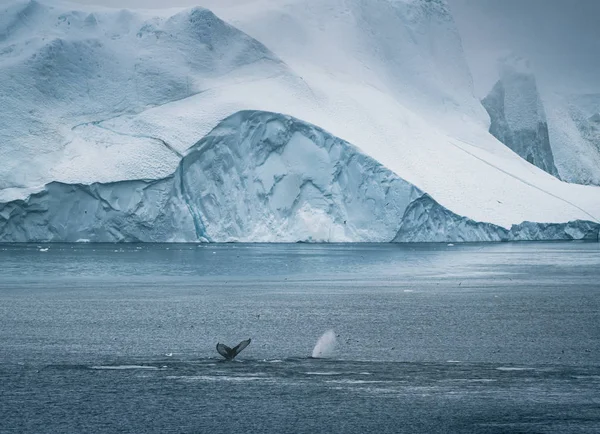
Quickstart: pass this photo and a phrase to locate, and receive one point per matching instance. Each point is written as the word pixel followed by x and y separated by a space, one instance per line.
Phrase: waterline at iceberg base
pixel 260 177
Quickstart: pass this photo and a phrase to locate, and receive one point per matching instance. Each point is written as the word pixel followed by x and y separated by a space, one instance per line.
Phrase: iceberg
pixel 259 177
pixel 181 125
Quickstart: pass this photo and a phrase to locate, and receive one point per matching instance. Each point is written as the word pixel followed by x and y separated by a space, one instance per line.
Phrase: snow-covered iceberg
pixel 92 101
pixel 256 177
pixel 259 177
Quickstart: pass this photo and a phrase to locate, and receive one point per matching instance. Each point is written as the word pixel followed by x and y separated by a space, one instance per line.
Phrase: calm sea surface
pixel 487 338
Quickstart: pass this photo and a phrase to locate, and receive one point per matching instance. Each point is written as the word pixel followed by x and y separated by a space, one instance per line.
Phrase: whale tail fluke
pixel 231 353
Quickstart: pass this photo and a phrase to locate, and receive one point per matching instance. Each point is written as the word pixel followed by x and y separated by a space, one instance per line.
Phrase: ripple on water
pixel 216 378
pixel 128 367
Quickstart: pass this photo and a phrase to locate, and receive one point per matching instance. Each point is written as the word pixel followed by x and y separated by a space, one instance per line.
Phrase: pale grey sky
pixel 560 37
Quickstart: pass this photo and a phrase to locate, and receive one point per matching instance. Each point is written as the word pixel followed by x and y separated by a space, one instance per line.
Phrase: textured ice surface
pixel 259 177
pixel 117 212
pixel 426 220
pixel 266 177
pixel 517 115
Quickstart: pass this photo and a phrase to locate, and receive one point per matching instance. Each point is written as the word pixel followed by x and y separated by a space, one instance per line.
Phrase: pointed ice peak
pixel 514 64
pixel 521 100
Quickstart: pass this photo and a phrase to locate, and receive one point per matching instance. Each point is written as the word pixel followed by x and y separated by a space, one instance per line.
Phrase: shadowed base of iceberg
pixel 259 177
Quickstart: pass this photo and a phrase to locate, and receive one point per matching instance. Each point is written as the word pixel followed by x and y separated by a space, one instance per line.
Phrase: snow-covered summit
pixel 66 71
pixel 522 104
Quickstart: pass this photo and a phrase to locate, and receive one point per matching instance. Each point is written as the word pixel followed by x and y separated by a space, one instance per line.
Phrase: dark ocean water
pixel 430 338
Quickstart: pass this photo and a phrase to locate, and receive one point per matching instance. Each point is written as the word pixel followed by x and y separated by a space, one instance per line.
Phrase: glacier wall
pixel 259 177
pixel 256 177
pixel 98 95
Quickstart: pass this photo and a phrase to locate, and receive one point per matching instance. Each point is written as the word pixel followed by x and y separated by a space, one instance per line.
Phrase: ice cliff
pixel 259 177
pixel 256 177
pixel 517 114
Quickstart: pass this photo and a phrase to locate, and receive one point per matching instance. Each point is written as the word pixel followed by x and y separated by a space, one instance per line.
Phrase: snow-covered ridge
pixel 259 177
pixel 95 97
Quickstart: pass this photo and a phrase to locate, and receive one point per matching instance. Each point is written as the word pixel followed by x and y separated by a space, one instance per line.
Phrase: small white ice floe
pixel 44 250
pixel 450 245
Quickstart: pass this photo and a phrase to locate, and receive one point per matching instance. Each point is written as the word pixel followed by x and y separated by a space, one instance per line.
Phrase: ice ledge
pixel 260 177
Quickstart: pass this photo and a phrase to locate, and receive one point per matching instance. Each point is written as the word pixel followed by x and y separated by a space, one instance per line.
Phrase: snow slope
pixel 388 76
